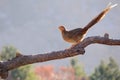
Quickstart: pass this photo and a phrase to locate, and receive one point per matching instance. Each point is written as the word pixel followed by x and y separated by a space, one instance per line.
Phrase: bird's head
pixel 62 28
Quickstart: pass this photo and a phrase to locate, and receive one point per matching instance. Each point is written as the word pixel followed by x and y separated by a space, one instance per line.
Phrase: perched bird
pixel 76 35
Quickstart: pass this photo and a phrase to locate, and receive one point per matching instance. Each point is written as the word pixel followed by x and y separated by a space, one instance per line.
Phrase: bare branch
pixel 100 40
pixel 72 51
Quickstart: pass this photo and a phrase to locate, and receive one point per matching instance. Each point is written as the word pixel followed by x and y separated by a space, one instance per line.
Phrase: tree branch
pixel 70 52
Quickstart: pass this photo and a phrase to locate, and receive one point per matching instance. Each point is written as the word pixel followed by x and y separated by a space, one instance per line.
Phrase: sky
pixel 32 27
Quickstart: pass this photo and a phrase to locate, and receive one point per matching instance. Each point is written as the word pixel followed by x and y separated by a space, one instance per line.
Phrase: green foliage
pixel 74 61
pixel 105 71
pixel 31 75
pixel 22 73
pixel 8 52
pixel 79 70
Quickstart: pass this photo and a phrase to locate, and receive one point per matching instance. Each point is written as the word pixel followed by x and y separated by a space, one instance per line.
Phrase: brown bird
pixel 76 35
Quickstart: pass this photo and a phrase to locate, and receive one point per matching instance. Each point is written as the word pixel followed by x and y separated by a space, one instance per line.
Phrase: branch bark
pixel 70 52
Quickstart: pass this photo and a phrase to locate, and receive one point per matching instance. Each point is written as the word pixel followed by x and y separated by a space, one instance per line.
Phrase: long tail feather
pixel 99 17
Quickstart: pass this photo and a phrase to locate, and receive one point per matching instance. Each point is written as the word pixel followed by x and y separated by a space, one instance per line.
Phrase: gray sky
pixel 32 27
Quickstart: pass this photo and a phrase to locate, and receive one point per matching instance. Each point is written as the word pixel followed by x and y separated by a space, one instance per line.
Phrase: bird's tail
pixel 99 17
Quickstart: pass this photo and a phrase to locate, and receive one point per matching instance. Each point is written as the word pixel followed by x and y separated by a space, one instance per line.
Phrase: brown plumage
pixel 76 35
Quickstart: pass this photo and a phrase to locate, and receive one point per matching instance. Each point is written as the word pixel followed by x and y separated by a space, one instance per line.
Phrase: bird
pixel 77 35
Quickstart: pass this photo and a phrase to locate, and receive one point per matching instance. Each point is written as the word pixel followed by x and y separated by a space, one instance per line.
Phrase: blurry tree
pixel 45 72
pixel 22 73
pixel 78 68
pixel 67 73
pixel 7 52
pixel 105 71
pixel 31 75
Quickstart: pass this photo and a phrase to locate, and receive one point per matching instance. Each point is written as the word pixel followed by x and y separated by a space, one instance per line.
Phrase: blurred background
pixel 31 26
